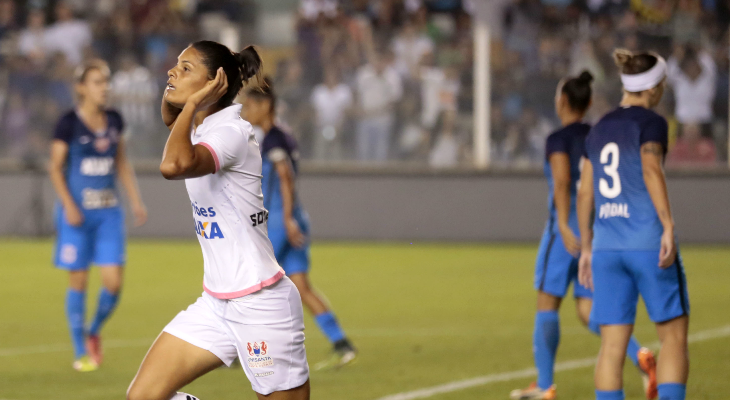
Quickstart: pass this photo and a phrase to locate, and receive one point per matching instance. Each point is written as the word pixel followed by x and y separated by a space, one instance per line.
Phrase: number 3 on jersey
pixel 610 150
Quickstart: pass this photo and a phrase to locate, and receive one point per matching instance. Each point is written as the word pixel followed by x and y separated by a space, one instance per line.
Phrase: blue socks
pixel 329 326
pixel 545 344
pixel 667 391
pixel 632 350
pixel 609 395
pixel 107 303
pixel 75 313
pixel 672 391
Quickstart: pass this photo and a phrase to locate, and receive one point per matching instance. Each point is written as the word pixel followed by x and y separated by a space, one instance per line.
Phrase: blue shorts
pixel 556 269
pixel 294 260
pixel 620 276
pixel 99 240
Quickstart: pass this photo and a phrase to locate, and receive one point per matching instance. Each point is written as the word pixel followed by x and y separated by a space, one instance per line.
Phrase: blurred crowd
pixel 543 41
pixel 375 81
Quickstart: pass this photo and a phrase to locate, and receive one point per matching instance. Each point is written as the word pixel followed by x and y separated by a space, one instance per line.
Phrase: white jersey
pixel 228 208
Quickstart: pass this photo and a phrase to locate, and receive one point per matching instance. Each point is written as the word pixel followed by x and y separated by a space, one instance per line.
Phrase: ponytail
pixel 239 67
pixel 578 91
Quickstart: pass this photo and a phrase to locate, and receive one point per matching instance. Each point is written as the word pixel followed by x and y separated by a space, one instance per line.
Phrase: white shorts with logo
pixel 265 329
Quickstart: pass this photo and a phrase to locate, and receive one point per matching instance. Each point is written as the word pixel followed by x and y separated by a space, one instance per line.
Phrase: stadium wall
pixel 389 206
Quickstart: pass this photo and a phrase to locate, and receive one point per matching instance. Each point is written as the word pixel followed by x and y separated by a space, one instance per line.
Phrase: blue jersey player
pixel 557 260
pixel 87 157
pixel 630 249
pixel 288 225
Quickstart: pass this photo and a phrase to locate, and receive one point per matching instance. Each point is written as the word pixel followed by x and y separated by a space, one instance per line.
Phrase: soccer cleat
pixel 533 392
pixel 85 364
pixel 93 347
pixel 337 360
pixel 647 363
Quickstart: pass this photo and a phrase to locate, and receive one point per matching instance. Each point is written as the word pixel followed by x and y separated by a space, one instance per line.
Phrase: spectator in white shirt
pixel 409 47
pixel 68 35
pixel 134 92
pixel 693 76
pixel 32 39
pixel 331 101
pixel 379 87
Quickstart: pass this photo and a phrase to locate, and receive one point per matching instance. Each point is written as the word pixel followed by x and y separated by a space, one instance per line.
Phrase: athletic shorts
pixel 619 277
pixel 556 269
pixel 294 260
pixel 264 329
pixel 99 240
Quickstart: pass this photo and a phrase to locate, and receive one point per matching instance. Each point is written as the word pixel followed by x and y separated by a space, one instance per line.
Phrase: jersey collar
pixel 232 112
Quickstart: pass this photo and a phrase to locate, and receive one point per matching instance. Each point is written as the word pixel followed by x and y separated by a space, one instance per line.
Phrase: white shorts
pixel 264 329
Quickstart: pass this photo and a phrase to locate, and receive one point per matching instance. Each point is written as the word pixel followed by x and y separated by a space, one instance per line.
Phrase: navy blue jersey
pixel 277 146
pixel 91 168
pixel 625 215
pixel 571 141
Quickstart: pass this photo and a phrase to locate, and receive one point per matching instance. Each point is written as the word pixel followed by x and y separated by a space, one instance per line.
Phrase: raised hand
pixel 211 92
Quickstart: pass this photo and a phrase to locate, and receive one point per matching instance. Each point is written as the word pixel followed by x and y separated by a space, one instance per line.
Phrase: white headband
pixel 645 80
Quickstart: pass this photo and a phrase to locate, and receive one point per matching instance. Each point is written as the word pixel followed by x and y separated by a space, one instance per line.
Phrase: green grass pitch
pixel 422 315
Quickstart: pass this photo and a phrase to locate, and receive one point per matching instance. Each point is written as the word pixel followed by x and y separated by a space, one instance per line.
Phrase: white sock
pixel 183 396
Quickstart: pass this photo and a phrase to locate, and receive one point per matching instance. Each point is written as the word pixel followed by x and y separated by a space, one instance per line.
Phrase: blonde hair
pixel 82 71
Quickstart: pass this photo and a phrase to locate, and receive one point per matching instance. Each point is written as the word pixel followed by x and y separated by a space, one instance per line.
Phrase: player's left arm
pixel 652 158
pixel 584 209
pixel 286 178
pixel 125 172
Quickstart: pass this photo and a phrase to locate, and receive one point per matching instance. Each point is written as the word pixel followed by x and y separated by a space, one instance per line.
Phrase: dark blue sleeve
pixel 655 130
pixel 64 128
pixel 556 143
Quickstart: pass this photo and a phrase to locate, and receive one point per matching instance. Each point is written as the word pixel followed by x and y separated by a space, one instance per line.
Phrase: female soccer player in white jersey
pixel 249 308
pixel 557 260
pixel 87 158
pixel 630 249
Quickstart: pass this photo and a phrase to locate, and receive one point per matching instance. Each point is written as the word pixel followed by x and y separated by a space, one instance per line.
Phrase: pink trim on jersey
pixel 212 152
pixel 244 292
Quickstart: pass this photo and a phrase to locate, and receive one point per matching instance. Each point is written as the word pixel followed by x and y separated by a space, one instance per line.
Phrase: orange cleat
pixel 647 363
pixel 93 347
pixel 533 392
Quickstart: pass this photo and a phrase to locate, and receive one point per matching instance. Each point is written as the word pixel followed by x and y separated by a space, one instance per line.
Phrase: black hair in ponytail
pixel 578 91
pixel 239 67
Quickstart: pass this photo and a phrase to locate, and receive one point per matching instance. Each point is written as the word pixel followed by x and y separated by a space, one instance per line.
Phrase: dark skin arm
pixel 585 209
pixel 169 113
pixel 286 178
pixel 560 166
pixel 652 157
pixel 180 159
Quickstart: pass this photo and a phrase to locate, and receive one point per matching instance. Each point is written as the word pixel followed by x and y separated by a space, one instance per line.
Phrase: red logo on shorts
pixel 257 350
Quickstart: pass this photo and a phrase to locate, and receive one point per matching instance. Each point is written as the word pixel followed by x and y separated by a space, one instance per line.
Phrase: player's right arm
pixel 560 166
pixel 56 165
pixel 585 209
pixel 652 157
pixel 169 113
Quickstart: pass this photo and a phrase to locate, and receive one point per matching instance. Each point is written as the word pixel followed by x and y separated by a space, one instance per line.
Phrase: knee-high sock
pixel 75 313
pixel 632 350
pixel 545 344
pixel 609 395
pixel 107 304
pixel 672 391
pixel 329 326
